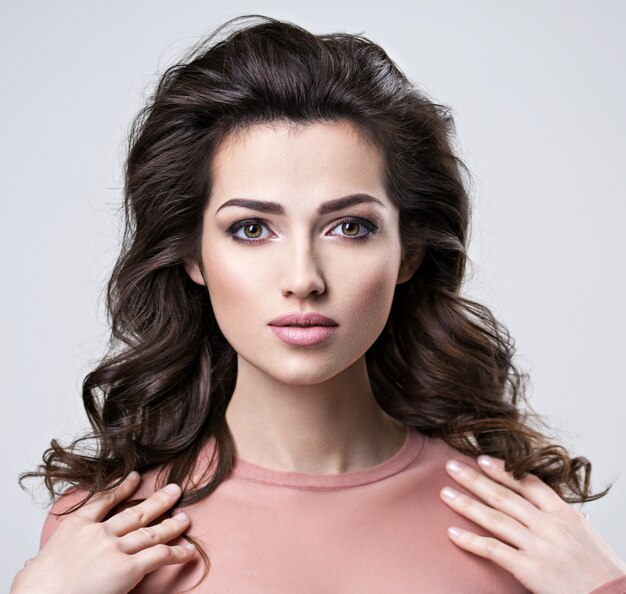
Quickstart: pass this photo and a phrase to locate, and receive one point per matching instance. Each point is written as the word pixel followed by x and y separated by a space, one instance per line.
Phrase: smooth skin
pixel 109 557
pixel 303 409
pixel 547 545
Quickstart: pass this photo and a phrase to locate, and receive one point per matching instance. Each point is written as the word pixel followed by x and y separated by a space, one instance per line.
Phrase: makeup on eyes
pixel 367 228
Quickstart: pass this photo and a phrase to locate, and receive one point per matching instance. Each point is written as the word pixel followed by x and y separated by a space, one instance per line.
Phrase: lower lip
pixel 303 336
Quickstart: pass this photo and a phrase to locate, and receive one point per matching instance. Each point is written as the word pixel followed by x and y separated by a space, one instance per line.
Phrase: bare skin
pixel 109 557
pixel 547 545
pixel 294 408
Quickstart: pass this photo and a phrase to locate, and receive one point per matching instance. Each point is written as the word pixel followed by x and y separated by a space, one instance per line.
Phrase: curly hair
pixel 443 364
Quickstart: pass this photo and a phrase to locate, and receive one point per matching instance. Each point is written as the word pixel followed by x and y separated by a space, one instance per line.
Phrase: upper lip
pixel 297 318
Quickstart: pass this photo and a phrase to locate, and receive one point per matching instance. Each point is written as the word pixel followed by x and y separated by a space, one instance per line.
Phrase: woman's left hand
pixel 547 545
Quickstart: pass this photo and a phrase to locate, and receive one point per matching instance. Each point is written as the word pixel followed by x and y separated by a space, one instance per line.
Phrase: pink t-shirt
pixel 378 530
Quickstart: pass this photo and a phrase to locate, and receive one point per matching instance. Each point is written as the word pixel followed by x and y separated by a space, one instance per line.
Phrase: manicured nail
pixel 449 493
pixel 455 467
pixel 172 488
pixel 181 517
pixel 189 546
pixel 133 476
pixel 455 532
pixel 487 461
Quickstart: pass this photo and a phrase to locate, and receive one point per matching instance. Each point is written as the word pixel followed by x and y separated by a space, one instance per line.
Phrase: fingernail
pixel 172 488
pixel 455 532
pixel 181 517
pixel 487 461
pixel 133 476
pixel 449 493
pixel 189 546
pixel 454 466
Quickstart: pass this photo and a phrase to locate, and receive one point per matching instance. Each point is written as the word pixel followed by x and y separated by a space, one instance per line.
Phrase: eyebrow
pixel 324 208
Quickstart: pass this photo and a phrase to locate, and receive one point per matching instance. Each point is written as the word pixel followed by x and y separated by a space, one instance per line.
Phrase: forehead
pixel 282 161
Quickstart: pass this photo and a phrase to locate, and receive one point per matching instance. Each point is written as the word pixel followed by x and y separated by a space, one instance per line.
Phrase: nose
pixel 302 274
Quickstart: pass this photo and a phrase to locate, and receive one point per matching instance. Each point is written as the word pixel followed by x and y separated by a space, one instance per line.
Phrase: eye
pixel 249 224
pixel 252 229
pixel 348 224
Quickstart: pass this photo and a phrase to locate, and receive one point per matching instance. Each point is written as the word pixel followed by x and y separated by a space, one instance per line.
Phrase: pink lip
pixel 303 328
pixel 295 335
pixel 310 318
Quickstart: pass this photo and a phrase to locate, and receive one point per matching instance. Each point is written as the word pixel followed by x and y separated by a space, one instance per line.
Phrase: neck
pixel 329 427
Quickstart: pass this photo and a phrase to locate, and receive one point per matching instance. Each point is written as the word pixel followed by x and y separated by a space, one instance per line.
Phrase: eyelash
pixel 370 227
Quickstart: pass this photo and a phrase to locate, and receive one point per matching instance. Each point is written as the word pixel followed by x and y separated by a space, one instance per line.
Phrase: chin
pixel 299 373
pixel 304 376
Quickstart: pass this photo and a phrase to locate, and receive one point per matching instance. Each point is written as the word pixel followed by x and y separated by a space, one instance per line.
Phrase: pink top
pixel 382 529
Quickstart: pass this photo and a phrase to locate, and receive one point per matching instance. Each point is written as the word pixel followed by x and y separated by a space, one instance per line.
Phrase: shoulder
pixel 436 452
pixel 150 482
pixel 615 586
pixel 66 501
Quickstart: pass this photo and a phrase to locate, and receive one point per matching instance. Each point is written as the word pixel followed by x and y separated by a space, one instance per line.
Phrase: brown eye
pixel 350 228
pixel 252 231
pixel 246 228
pixel 353 226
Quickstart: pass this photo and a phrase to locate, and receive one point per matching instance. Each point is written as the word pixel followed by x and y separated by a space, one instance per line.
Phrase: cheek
pixel 371 287
pixel 234 288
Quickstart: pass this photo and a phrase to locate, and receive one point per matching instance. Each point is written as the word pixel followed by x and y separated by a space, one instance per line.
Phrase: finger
pixel 530 486
pixel 495 521
pixel 142 514
pixel 148 536
pixel 159 555
pixel 498 496
pixel 101 503
pixel 490 548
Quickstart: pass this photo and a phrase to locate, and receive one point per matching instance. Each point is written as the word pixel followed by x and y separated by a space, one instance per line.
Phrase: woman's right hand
pixel 86 555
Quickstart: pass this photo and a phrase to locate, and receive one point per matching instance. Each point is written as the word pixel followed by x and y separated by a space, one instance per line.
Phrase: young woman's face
pixel 299 253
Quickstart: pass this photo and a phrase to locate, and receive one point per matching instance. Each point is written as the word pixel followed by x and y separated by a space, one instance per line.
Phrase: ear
pixel 193 270
pixel 410 265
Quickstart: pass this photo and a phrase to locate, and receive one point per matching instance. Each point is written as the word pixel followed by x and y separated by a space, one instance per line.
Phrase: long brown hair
pixel 443 364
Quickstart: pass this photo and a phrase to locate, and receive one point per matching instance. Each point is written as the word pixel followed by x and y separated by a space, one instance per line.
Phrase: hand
pixel 91 556
pixel 554 548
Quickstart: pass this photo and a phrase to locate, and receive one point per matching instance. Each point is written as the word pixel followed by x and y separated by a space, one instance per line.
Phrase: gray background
pixel 538 93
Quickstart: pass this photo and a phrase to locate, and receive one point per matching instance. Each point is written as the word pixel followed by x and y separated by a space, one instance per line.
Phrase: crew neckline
pixel 408 452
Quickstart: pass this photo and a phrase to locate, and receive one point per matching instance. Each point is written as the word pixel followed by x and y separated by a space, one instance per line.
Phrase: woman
pixel 292 356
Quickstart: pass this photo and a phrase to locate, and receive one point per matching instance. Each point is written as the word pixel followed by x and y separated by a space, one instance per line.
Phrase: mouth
pixel 302 325
pixel 298 335
pixel 303 320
